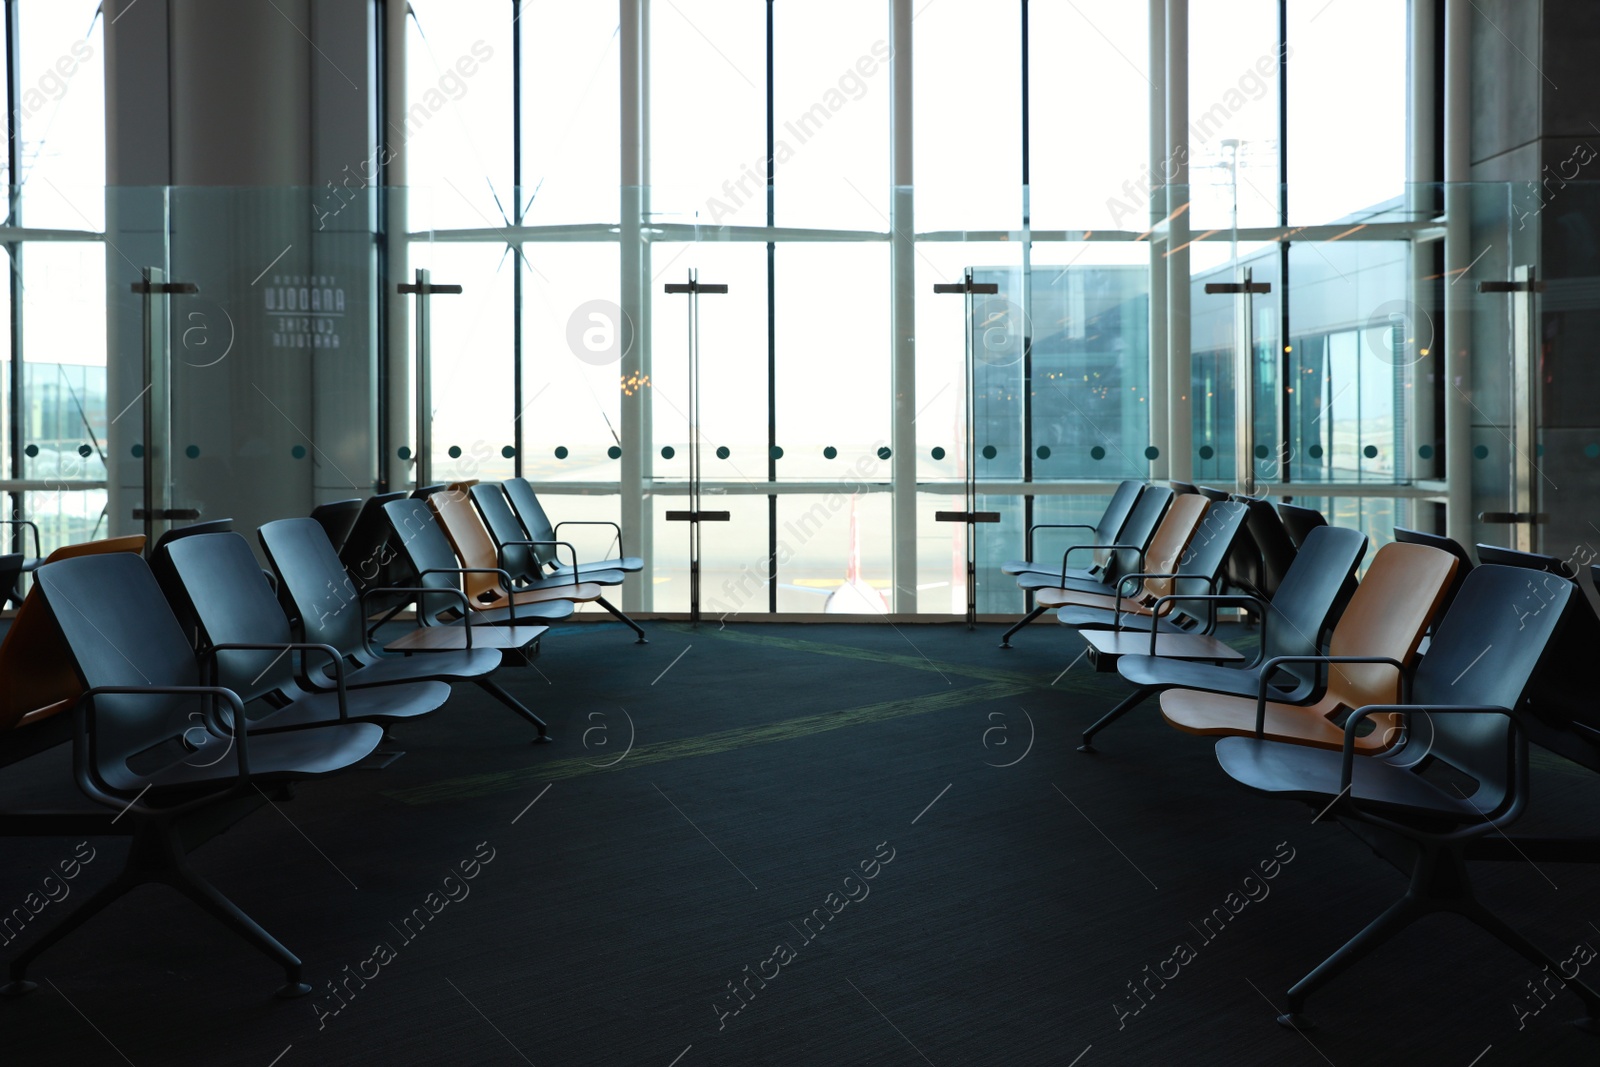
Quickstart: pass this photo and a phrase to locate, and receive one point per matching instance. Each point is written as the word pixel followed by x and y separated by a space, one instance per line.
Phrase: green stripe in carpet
pixel 479 785
pixel 917 662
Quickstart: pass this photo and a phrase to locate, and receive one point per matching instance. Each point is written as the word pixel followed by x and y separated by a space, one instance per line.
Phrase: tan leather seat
pixel 1387 616
pixel 470 538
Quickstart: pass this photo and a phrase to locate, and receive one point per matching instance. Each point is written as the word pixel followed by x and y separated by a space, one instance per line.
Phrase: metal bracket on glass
pixel 167 514
pixel 155 399
pixel 695 514
pixel 1244 377
pixel 969 515
pixel 966 516
pixel 1524 286
pixel 149 288
pixel 1524 394
pixel 423 289
pixel 699 516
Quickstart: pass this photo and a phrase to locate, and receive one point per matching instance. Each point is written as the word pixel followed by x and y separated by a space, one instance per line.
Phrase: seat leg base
pixel 1295 1021
pixel 20 987
pixel 494 690
pixel 1127 704
pixel 381 759
pixel 617 612
pixel 1005 638
pixel 292 989
pixel 1588 1024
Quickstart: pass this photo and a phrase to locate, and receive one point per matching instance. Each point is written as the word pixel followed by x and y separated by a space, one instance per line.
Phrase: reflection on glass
pixel 1091 368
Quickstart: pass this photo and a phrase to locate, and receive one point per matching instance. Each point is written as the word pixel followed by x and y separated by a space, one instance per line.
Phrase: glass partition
pixel 274 365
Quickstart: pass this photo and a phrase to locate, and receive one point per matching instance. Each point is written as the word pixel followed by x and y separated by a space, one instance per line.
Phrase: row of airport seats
pixel 193 686
pixel 1402 705
pixel 1254 561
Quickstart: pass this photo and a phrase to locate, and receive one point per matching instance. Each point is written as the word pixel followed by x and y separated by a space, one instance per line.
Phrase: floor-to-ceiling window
pixel 55 374
pixel 764 131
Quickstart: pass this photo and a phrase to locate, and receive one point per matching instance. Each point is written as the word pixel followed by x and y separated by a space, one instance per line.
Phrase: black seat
pixel 1460 772
pixel 366 554
pixel 1184 487
pixel 194 529
pixel 1199 571
pixel 1213 495
pixel 429 556
pixel 1308 602
pixel 1277 550
pixel 338 518
pixel 1564 716
pixel 246 636
pixel 29 563
pixel 1124 555
pixel 533 518
pixel 423 492
pixel 1103 532
pixel 1532 561
pixel 11 565
pixel 142 696
pixel 1299 521
pixel 161 566
pixel 517 551
pixel 331 613
pixel 1112 560
pixel 516 547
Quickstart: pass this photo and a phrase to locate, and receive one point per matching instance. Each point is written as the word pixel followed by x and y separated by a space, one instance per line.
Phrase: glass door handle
pixel 167 514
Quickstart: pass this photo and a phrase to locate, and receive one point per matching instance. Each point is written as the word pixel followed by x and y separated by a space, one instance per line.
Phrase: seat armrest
pixel 38 553
pixel 1176 576
pixel 209 656
pixel 1211 618
pixel 500 554
pixel 1518 792
pixel 1054 526
pixel 1277 661
pixel 83 728
pixel 593 522
pixel 1131 548
pixel 511 600
pixel 420 591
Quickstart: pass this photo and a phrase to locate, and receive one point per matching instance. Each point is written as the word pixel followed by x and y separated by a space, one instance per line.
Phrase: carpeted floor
pixel 708 818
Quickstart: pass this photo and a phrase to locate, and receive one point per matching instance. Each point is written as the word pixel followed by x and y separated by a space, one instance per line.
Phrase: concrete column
pixel 1456 363
pixel 266 138
pixel 1177 456
pixel 1159 384
pixel 636 520
pixel 1422 198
